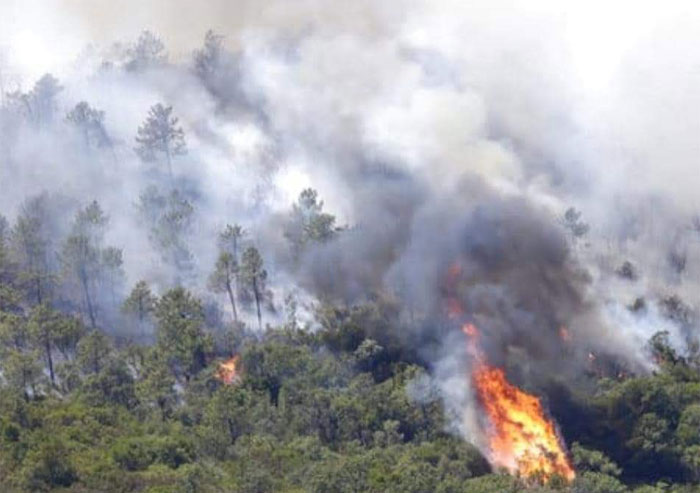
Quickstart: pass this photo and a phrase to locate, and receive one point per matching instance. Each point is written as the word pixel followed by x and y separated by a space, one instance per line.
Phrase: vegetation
pixel 112 388
pixel 322 411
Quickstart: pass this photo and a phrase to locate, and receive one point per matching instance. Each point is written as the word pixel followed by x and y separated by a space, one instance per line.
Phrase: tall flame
pixel 520 437
pixel 227 371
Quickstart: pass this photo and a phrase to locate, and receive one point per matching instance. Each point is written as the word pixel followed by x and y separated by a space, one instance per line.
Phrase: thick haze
pixel 439 132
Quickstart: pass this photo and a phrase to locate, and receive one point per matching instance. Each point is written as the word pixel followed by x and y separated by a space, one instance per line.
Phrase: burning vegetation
pixel 349 327
pixel 228 371
pixel 521 438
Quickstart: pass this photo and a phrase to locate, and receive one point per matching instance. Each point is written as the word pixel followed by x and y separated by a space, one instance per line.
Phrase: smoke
pixel 440 133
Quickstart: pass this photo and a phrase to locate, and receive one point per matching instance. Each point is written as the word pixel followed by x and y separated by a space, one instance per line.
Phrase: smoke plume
pixel 445 138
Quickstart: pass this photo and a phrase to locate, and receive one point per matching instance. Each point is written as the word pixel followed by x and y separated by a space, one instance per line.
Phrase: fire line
pixel 520 437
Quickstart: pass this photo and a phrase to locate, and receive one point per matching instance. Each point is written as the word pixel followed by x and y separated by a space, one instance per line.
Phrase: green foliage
pixel 155 388
pixel 138 453
pixel 169 220
pixel 90 123
pixel 223 279
pixel 160 137
pixel 226 276
pixel 492 483
pixel 45 329
pixel 31 244
pixel 140 304
pixel 307 223
pixel 343 408
pixel 180 332
pixel 113 385
pixel 253 279
pixel 593 460
pixel 93 352
pixel 47 466
pixel 595 482
pixel 86 262
pixel 21 370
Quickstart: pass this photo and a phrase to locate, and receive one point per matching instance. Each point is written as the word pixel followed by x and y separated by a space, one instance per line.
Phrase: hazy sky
pixel 43 35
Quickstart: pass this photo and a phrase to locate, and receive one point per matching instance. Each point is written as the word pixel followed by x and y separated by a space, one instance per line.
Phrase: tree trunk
pixel 168 161
pixel 257 301
pixel 88 300
pixel 37 281
pixel 231 430
pixel 96 360
pixel 25 382
pixel 142 325
pixel 161 406
pixel 233 301
pixel 49 359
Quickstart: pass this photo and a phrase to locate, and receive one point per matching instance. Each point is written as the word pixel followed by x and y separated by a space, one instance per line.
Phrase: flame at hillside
pixel 227 372
pixel 520 437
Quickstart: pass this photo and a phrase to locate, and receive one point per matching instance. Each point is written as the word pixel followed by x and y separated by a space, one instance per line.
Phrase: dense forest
pixel 328 410
pixel 162 330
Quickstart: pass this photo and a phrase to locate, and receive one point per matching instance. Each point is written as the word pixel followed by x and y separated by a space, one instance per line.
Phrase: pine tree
pixel 148 52
pixel 180 332
pixel 225 277
pixel 90 123
pixel 160 137
pixel 254 277
pixel 44 330
pixel 140 303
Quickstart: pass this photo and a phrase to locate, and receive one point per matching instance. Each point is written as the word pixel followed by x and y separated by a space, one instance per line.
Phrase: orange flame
pixel 227 372
pixel 520 437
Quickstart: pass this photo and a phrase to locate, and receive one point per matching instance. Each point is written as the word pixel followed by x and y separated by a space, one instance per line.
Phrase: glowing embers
pixel 228 371
pixel 520 437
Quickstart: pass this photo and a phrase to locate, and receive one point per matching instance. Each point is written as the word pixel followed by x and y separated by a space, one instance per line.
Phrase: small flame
pixel 521 438
pixel 227 372
pixel 564 334
pixel 471 331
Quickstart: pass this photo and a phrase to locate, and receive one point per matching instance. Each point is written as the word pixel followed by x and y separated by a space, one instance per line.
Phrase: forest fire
pixel 520 437
pixel 228 370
